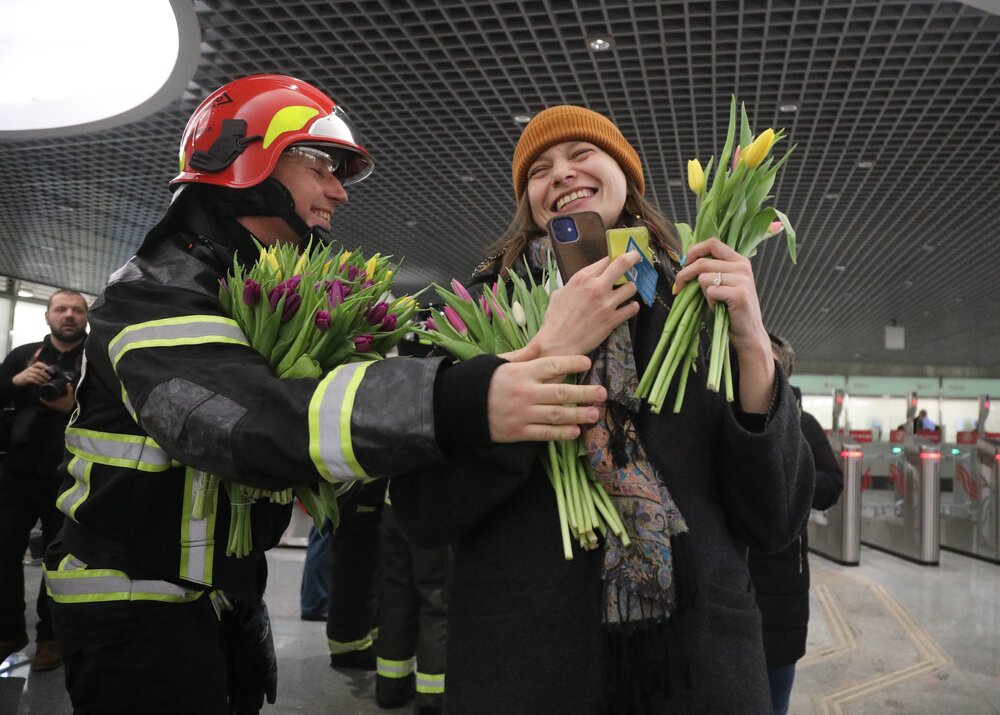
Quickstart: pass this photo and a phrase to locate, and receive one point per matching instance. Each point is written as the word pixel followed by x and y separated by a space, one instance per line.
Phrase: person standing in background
pixel 39 379
pixel 782 579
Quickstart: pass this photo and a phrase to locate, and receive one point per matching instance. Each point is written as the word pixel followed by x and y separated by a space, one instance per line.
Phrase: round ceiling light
pixel 71 67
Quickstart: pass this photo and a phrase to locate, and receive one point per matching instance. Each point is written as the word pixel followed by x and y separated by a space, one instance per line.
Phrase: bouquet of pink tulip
pixel 496 324
pixel 732 210
pixel 306 312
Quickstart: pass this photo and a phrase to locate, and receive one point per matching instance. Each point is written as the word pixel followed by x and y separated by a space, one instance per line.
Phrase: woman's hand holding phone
pixel 583 312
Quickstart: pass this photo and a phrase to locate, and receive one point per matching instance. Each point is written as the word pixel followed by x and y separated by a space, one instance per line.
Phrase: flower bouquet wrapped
pixel 497 324
pixel 306 313
pixel 732 210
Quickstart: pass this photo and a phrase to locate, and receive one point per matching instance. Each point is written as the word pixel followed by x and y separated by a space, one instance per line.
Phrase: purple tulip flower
pixel 363 343
pixel 251 292
pixel 389 324
pixel 322 320
pixel 485 305
pixel 335 294
pixel 376 314
pixel 352 272
pixel 430 324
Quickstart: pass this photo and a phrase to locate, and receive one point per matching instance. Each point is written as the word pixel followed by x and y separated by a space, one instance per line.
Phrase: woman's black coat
pixel 525 631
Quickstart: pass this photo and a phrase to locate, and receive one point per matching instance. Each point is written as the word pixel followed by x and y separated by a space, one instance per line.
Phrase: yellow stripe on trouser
pixel 330 445
pixel 394 668
pixel 340 647
pixel 430 684
pixel 73 582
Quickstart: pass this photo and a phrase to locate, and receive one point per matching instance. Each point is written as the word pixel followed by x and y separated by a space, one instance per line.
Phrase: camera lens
pixel 564 230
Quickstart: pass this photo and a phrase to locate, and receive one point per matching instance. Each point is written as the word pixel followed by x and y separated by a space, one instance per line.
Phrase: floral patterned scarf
pixel 639 580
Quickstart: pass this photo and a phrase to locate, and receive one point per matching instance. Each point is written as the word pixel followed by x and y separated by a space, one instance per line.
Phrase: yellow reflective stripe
pixel 174 332
pixel 197 535
pixel 71 499
pixel 429 683
pixel 82 585
pixel 394 668
pixel 113 449
pixel 338 647
pixel 330 408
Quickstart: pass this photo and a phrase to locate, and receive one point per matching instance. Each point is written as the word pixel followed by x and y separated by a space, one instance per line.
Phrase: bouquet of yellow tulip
pixel 497 324
pixel 306 313
pixel 732 210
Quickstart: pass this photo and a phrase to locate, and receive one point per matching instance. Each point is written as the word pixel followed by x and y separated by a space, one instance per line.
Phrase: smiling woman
pixel 68 89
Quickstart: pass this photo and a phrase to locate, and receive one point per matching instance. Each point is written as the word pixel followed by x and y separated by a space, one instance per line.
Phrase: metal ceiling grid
pixel 910 87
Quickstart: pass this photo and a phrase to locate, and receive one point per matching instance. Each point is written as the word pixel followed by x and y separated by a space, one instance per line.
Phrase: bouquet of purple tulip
pixel 306 313
pixel 496 324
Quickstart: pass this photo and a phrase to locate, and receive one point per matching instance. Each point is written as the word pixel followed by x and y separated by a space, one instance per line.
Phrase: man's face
pixel 310 176
pixel 67 317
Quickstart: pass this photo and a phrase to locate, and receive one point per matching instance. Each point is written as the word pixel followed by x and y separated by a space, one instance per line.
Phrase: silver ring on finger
pixel 718 280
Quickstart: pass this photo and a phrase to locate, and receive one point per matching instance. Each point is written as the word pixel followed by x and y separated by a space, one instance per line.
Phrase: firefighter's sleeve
pixel 189 378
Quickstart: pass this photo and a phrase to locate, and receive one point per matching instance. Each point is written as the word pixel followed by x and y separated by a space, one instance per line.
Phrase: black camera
pixel 56 386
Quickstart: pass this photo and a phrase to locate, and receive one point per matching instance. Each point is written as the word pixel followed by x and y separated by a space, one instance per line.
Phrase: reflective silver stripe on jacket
pixel 118 450
pixel 73 582
pixel 71 499
pixel 174 332
pixel 330 423
pixel 197 545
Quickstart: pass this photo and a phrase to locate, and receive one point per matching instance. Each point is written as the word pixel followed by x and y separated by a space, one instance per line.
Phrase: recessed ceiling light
pixel 522 118
pixel 675 182
pixel 411 223
pixel 467 178
pixel 840 268
pixel 95 89
pixel 599 44
pixel 25 294
pixel 831 197
pixel 866 164
pixel 788 108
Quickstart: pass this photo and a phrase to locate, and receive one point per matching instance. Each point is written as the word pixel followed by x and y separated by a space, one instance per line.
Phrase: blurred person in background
pixel 39 380
pixel 781 579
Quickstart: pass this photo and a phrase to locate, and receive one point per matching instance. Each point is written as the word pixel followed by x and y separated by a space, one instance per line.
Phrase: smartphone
pixel 619 240
pixel 577 241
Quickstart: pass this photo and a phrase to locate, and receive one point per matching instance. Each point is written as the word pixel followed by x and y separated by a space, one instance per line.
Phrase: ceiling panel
pixel 892 186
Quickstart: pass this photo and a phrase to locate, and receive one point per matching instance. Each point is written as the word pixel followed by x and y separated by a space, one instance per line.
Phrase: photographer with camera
pixel 39 381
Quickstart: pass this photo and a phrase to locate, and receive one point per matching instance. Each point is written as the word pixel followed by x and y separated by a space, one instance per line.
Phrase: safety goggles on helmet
pixel 337 127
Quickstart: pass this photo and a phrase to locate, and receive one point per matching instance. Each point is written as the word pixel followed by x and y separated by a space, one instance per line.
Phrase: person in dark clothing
pixel 781 579
pixel 669 623
pixel 352 618
pixel 39 380
pixel 173 393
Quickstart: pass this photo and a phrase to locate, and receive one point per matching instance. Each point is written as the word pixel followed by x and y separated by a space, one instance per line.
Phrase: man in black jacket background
pixel 782 579
pixel 39 380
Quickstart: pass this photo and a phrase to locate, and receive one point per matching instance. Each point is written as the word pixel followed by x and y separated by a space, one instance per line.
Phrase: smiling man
pixel 173 391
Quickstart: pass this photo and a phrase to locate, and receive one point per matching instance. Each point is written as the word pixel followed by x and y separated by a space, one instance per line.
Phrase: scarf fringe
pixel 645 663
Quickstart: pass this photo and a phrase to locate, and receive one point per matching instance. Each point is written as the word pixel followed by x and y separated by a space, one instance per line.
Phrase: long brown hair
pixel 638 211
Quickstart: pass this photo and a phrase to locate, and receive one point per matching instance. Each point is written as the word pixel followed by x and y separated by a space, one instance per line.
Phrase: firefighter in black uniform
pixel 172 392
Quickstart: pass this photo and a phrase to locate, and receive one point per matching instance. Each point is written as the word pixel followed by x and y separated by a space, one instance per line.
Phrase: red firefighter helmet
pixel 236 135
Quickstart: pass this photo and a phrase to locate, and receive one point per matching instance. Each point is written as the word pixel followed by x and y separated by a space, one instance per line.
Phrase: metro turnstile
pixel 970 511
pixel 836 532
pixel 900 497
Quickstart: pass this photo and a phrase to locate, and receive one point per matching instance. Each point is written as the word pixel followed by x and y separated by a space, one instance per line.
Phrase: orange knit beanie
pixel 566 122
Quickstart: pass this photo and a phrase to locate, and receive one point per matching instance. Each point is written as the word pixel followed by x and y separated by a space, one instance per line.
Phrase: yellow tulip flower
pixel 757 151
pixel 696 176
pixel 343 258
pixel 370 267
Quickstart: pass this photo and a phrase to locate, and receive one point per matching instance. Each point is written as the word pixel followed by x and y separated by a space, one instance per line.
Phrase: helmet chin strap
pixel 274 194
